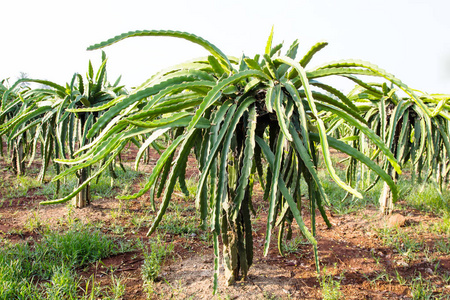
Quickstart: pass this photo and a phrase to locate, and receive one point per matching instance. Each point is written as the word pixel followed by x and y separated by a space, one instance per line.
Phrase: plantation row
pixel 267 119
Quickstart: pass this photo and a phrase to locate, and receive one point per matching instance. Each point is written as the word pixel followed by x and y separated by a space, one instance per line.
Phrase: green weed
pixel 154 256
pixel 442 245
pixel 178 222
pixel 442 227
pixel 291 246
pixel 33 222
pixel 105 187
pixel 191 189
pixel 63 283
pixel 331 288
pixel 382 275
pixel 342 203
pixel 427 197
pixel 117 289
pixel 269 296
pixel 139 221
pixel 422 289
pixel 20 186
pixel 45 270
pixel 400 240
pixel 400 279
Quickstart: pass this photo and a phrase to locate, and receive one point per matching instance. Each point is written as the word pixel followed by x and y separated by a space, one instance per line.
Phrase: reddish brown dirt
pixel 351 251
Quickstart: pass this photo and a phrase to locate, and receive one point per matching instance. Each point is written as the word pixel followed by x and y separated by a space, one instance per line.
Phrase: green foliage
pixel 443 226
pixel 178 222
pixel 25 268
pixel 415 128
pixel 106 186
pixel 442 245
pixel 20 186
pixel 62 283
pixel 79 247
pixel 331 288
pixel 154 257
pixel 402 241
pixel 291 246
pixel 42 118
pixel 117 288
pixel 427 197
pixel 266 118
pixel 235 114
pixel 422 289
pixel 344 203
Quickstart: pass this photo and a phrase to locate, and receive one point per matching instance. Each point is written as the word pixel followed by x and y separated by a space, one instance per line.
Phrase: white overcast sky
pixel 47 39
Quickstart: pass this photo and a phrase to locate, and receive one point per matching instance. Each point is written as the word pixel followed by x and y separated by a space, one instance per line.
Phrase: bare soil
pixel 351 252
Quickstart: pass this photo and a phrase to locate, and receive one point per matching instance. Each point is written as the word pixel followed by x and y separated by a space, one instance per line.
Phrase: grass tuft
pixel 331 288
pixel 45 269
pixel 154 257
pixel 426 197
